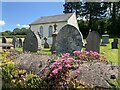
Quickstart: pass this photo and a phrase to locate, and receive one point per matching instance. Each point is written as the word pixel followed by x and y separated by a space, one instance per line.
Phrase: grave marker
pixel 32 42
pixel 46 45
pixel 114 44
pixel 93 42
pixel 15 42
pixel 105 39
pixel 20 42
pixel 4 40
pixel 69 39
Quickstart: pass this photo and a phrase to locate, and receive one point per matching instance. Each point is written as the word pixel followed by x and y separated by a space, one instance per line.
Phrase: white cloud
pixel 18 25
pixel 23 26
pixel 2 22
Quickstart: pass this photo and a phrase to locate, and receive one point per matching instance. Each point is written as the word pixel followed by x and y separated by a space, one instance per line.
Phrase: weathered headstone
pixel 32 42
pixel 20 42
pixel 116 40
pixel 69 39
pixel 105 39
pixel 15 42
pixel 93 42
pixel 4 40
pixel 46 45
pixel 114 44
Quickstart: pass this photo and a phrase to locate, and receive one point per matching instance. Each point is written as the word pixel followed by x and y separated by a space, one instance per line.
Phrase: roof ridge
pixel 55 15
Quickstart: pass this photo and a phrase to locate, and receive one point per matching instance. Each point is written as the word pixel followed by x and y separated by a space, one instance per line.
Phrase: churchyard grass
pixel 111 54
pixel 44 51
pixel 18 50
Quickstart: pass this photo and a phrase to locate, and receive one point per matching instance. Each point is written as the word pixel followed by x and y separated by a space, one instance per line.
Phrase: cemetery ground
pixel 111 54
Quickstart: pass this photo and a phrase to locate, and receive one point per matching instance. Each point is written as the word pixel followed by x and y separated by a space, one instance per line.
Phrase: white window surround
pixel 41 30
pixel 50 28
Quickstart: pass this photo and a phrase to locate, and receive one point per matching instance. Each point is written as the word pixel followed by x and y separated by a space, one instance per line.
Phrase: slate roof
pixel 50 19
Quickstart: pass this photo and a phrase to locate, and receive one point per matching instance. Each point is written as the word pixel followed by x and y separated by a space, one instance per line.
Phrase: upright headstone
pixel 93 42
pixel 114 44
pixel 20 42
pixel 15 42
pixel 116 40
pixel 69 39
pixel 105 39
pixel 4 40
pixel 46 45
pixel 32 42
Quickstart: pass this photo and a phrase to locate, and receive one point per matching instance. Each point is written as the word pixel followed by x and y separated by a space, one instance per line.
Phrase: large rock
pixel 96 74
pixel 68 40
pixel 31 62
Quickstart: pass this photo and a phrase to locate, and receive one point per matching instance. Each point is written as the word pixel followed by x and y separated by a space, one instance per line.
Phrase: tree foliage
pixel 16 31
pixel 100 16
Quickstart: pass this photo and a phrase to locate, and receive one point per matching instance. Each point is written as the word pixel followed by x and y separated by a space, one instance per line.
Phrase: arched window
pixel 50 31
pixel 41 30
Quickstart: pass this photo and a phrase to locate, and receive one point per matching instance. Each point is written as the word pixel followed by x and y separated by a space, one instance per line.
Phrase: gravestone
pixel 32 42
pixel 20 42
pixel 69 39
pixel 4 40
pixel 15 42
pixel 114 44
pixel 105 39
pixel 93 42
pixel 116 40
pixel 46 45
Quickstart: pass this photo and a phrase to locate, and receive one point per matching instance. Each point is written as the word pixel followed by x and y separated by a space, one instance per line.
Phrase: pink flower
pixel 60 68
pixel 66 61
pixel 63 59
pixel 51 75
pixel 56 63
pixel 22 76
pixel 87 53
pixel 66 54
pixel 53 66
pixel 79 61
pixel 77 72
pixel 68 66
pixel 77 52
pixel 91 51
pixel 55 71
pixel 70 59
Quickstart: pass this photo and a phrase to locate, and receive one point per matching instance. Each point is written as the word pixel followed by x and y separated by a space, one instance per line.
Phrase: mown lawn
pixel 45 51
pixel 111 54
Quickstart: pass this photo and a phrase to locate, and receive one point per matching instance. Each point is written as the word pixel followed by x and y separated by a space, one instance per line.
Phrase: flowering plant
pixel 58 73
pixel 88 56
